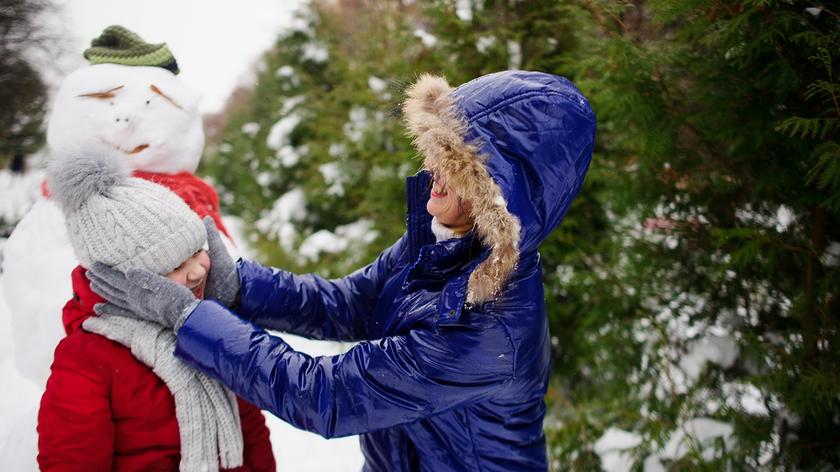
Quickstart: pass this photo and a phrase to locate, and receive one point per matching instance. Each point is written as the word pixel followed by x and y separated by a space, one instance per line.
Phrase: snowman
pixel 128 98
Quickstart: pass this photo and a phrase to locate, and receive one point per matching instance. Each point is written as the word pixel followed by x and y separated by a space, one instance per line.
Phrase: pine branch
pixel 810 316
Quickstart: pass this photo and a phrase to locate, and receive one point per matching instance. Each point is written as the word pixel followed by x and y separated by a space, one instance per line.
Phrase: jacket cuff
pixel 182 318
pixel 199 334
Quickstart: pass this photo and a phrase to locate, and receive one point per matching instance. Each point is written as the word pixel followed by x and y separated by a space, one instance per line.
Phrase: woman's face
pixel 193 273
pixel 450 210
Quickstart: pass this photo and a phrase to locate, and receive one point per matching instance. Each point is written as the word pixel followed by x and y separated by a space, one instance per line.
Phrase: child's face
pixel 193 273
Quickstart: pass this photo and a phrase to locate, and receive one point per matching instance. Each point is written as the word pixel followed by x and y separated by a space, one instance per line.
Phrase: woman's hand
pixel 141 294
pixel 223 280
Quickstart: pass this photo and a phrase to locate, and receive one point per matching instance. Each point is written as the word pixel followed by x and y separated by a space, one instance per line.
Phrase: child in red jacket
pixel 117 398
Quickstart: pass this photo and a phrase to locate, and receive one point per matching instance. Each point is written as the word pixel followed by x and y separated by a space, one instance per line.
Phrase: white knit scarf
pixel 207 413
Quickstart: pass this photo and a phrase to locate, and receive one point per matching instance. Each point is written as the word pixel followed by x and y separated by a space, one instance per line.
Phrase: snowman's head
pixel 144 112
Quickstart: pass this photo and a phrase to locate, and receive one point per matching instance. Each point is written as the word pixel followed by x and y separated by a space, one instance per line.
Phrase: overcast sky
pixel 215 42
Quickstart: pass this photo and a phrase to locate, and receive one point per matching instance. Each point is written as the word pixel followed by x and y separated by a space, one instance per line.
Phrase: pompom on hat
pixel 122 221
pixel 119 45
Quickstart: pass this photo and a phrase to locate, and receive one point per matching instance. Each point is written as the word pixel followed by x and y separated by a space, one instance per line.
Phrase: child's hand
pixel 223 280
pixel 141 294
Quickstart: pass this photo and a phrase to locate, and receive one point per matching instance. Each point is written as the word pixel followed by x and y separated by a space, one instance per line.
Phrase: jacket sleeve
pixel 375 385
pixel 310 305
pixel 258 456
pixel 75 428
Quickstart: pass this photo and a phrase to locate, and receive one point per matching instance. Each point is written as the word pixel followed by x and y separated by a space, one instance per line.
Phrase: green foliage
pixel 708 224
pixel 814 128
pixel 345 147
pixel 721 127
pixel 22 91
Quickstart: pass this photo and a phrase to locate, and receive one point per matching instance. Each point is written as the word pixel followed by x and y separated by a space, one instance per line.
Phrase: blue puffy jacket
pixel 437 382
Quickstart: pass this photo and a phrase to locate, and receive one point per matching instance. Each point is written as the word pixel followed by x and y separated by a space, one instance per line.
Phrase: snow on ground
pixel 20 394
pixel 36 284
pixel 297 450
pixel 19 399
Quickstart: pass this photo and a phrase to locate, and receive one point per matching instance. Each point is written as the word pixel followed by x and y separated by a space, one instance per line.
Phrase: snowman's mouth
pixel 137 149
pixel 130 151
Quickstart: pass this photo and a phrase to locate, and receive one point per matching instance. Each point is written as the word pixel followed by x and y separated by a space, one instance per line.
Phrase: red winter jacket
pixel 104 410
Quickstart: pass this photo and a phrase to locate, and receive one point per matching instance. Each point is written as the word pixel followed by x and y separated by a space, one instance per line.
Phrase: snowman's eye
pixel 166 97
pixel 107 94
pixel 148 102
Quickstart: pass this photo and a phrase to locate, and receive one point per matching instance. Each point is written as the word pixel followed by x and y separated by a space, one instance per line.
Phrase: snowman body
pixel 148 115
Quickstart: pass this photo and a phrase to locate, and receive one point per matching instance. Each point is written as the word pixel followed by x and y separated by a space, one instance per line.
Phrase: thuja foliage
pixel 692 289
pixel 718 134
pixel 324 121
pixel 22 90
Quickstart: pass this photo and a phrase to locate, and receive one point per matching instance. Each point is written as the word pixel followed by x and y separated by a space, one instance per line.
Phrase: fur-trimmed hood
pixel 517 146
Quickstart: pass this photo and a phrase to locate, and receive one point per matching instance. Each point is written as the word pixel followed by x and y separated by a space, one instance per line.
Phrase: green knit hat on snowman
pixel 119 45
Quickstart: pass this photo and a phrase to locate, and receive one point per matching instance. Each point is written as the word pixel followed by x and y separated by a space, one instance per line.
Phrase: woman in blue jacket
pixel 454 357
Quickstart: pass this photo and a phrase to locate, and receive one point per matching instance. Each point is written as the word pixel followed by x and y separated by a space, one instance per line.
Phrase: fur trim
pixel 74 177
pixel 438 131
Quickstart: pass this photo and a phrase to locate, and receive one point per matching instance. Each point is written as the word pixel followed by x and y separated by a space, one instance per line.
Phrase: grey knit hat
pixel 119 220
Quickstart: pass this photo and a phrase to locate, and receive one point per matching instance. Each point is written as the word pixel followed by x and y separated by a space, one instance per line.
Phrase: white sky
pixel 215 42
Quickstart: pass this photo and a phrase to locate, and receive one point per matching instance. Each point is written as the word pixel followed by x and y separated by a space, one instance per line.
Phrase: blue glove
pixel 141 294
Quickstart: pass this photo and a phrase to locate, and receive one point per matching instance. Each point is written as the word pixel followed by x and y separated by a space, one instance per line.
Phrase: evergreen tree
pixel 323 132
pixel 692 289
pixel 22 92
pixel 718 139
pixel 23 97
pixel 325 120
